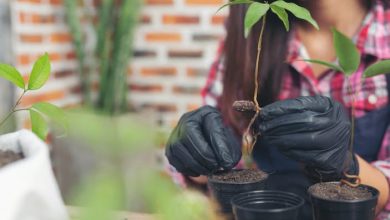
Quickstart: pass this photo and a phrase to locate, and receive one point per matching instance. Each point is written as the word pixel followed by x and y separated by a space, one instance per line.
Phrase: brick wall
pixel 175 44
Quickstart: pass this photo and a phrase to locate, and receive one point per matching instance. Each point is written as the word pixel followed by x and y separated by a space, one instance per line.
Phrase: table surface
pixel 74 213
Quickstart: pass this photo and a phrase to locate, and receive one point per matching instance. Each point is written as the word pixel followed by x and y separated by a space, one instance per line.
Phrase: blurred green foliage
pixel 128 180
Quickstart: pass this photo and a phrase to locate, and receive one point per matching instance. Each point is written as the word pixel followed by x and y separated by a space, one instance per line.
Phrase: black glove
pixel 201 144
pixel 313 130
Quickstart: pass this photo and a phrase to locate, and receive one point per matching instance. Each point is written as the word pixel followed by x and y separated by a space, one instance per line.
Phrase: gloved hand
pixel 201 144
pixel 313 130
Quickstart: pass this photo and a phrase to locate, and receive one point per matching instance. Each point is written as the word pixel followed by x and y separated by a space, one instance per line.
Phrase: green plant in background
pixel 348 61
pixel 38 111
pixel 113 50
pixel 258 11
pixel 78 42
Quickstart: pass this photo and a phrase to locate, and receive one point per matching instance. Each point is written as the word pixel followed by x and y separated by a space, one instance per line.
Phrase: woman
pixel 303 119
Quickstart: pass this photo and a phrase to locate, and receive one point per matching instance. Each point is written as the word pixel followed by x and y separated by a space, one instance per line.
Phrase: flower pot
pixel 28 188
pixel 267 204
pixel 224 191
pixel 334 209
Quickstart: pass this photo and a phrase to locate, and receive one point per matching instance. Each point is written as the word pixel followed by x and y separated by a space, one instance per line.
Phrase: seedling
pixel 40 110
pixel 258 11
pixel 348 61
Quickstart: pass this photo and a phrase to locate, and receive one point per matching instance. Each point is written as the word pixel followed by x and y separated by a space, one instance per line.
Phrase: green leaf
pixel 38 124
pixel 40 73
pixel 11 74
pixel 297 11
pixel 253 15
pixel 282 14
pixel 53 112
pixel 236 2
pixel 330 65
pixel 378 68
pixel 346 52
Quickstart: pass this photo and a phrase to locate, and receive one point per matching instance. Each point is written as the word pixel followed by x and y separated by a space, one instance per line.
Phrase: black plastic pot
pixel 223 192
pixel 325 209
pixel 267 204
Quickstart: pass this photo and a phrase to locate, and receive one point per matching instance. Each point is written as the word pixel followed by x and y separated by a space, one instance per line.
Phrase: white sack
pixel 28 189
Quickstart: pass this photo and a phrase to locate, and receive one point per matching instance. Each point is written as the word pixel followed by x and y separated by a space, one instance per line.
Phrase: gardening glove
pixel 313 130
pixel 201 144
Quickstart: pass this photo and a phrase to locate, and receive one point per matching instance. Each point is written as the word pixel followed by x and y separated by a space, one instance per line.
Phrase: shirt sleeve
pixel 383 164
pixel 214 84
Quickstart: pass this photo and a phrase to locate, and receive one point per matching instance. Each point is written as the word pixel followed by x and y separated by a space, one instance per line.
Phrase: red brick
pixel 71 55
pixel 56 2
pixel 205 2
pixel 180 19
pixel 185 53
pixel 31 38
pixel 146 88
pixel 63 74
pixel 163 37
pixel 60 37
pixel 196 72
pixel 146 19
pixel 49 96
pixel 159 2
pixel 218 19
pixel 159 71
pixel 44 19
pixel 24 59
pixel 54 57
pixel 31 1
pixel 186 89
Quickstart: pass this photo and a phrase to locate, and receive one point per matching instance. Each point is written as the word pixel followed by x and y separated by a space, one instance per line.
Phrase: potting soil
pixel 335 191
pixel 240 176
pixel 7 157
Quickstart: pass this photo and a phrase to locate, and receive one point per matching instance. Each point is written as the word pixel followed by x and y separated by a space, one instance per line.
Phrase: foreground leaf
pixel 378 68
pixel 253 15
pixel 53 112
pixel 9 73
pixel 330 65
pixel 38 124
pixel 40 73
pixel 236 2
pixel 282 14
pixel 346 52
pixel 297 11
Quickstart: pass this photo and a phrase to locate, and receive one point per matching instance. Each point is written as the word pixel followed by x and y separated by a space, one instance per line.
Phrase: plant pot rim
pixel 210 179
pixel 374 191
pixel 301 202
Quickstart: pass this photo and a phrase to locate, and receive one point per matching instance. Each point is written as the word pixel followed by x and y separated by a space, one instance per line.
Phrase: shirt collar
pixel 373 38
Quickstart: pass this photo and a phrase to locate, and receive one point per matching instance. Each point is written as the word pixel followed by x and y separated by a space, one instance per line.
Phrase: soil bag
pixel 28 188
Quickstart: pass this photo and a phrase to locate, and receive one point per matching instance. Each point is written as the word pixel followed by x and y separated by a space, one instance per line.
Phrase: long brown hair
pixel 240 60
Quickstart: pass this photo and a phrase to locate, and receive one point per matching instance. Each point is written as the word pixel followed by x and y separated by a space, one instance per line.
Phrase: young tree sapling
pixel 40 110
pixel 258 11
pixel 348 61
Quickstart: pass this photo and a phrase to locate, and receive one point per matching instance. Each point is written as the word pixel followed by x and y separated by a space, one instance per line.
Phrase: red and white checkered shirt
pixel 373 41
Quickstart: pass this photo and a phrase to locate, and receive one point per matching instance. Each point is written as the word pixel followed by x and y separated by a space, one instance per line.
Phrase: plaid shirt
pixel 373 41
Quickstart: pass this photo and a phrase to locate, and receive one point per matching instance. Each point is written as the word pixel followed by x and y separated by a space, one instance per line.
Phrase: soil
pixel 240 176
pixel 335 191
pixel 7 157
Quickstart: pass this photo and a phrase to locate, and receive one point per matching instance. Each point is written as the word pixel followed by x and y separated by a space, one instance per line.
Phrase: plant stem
pixel 257 72
pixel 13 110
pixel 250 144
pixel 351 142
